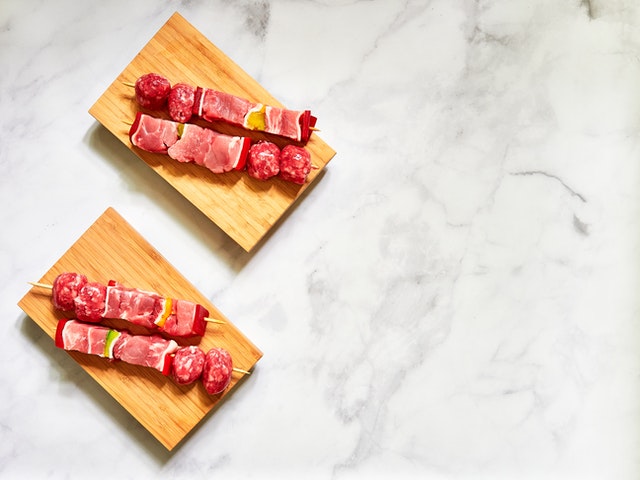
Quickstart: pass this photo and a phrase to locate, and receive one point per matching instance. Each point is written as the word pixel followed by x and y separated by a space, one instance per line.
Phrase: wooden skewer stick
pixel 213 320
pixel 237 370
pixel 50 287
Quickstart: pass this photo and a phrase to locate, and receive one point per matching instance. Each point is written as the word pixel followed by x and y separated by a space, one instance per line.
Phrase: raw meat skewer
pixel 93 302
pixel 153 91
pixel 188 143
pixel 152 351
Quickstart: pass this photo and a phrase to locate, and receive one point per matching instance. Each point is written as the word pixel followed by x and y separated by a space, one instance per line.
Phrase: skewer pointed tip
pixel 129 84
pixel 214 320
pixel 41 285
pixel 239 370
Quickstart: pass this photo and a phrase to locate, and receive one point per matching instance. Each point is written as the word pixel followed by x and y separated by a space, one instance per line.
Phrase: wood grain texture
pixel 245 208
pixel 112 250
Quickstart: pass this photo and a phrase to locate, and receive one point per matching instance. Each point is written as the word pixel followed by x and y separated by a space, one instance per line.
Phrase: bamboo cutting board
pixel 245 208
pixel 112 250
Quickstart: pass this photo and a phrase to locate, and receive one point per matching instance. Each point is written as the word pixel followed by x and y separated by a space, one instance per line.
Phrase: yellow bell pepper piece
pixel 168 308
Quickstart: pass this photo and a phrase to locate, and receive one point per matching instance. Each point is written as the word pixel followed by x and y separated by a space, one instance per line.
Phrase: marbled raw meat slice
pixel 145 350
pixel 281 121
pixel 214 105
pixel 134 305
pixel 218 152
pixel 153 134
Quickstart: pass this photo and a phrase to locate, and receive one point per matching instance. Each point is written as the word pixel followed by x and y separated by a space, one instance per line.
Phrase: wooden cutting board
pixel 112 250
pixel 245 208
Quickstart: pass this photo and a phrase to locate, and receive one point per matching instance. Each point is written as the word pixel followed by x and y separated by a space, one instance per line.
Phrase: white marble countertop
pixel 456 298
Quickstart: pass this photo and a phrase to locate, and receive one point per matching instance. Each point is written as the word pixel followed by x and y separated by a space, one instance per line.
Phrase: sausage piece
pixel 188 364
pixel 180 102
pixel 295 164
pixel 90 304
pixel 264 160
pixel 152 91
pixel 216 374
pixel 65 289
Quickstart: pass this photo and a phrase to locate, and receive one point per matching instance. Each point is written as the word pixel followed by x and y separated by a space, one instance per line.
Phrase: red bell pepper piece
pixel 59 342
pixel 166 366
pixel 135 124
pixel 306 122
pixel 199 322
pixel 242 161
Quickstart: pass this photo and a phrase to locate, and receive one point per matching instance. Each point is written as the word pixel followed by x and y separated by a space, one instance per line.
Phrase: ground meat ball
pixel 295 164
pixel 65 289
pixel 264 160
pixel 90 302
pixel 217 370
pixel 188 364
pixel 152 91
pixel 180 102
